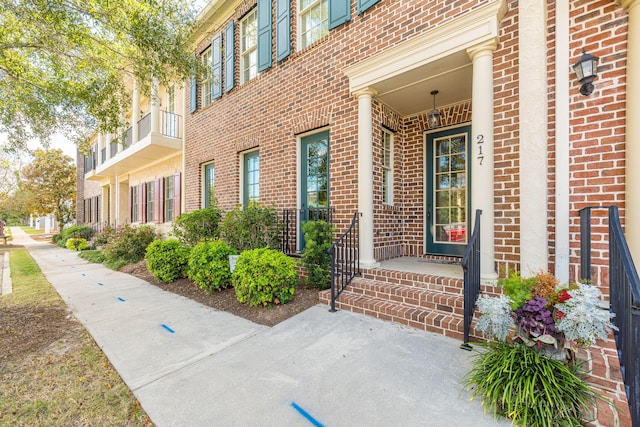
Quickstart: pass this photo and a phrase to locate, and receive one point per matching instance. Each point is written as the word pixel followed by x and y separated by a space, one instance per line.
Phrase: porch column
pixel 135 114
pixel 632 142
pixel 532 88
pixel 113 182
pixel 365 176
pixel 482 153
pixel 155 106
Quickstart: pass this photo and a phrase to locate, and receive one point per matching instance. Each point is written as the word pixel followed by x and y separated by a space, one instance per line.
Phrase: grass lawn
pixel 51 370
pixel 31 230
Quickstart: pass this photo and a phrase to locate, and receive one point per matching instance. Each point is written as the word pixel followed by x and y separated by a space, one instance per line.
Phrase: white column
pixel 532 24
pixel 155 106
pixel 113 200
pixel 365 176
pixel 562 142
pixel 135 114
pixel 632 143
pixel 482 168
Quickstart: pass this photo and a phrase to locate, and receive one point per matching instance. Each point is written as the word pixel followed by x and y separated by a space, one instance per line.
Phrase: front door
pixel 314 179
pixel 448 190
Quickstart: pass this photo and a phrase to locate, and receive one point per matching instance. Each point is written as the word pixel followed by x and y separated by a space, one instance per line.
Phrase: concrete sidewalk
pixel 190 365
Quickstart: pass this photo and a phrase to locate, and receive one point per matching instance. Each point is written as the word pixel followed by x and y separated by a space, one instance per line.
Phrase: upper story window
pixel 314 21
pixel 248 47
pixel 206 83
pixel 387 167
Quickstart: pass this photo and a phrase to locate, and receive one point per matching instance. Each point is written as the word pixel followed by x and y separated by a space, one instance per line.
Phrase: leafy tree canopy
pixel 65 65
pixel 49 182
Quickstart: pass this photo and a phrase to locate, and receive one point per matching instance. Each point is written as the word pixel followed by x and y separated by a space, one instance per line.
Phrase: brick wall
pixel 597 125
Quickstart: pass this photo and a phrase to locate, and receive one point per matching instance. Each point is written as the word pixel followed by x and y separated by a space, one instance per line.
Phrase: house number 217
pixel 479 142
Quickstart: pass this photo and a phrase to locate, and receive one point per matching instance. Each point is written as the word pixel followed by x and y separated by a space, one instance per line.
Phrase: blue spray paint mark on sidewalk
pixel 168 328
pixel 121 299
pixel 305 414
pixel 100 284
pixel 83 274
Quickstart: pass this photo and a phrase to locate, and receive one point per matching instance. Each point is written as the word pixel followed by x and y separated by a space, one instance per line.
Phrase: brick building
pixel 325 104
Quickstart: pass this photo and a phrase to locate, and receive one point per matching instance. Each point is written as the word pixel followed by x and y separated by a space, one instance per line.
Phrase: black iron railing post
pixel 471 266
pixel 345 257
pixel 585 243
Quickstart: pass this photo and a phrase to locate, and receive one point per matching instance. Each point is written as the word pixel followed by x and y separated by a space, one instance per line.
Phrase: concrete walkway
pixel 190 365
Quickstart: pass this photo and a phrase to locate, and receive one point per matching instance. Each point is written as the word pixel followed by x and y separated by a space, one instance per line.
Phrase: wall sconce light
pixel 434 115
pixel 586 70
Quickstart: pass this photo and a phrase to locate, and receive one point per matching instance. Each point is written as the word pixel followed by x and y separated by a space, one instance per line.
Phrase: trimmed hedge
pixel 264 276
pixel 209 265
pixel 167 260
pixel 193 227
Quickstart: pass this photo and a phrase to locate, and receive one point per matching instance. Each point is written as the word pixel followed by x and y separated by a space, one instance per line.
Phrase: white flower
pixel 495 320
pixel 584 321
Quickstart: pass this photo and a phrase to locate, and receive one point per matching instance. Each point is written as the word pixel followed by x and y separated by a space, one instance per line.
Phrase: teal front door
pixel 314 179
pixel 448 190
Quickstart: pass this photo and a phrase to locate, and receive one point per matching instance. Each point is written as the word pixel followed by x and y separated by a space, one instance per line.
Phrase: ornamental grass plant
pixel 527 370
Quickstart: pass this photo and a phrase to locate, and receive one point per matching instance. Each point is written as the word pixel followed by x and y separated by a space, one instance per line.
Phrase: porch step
pixel 413 303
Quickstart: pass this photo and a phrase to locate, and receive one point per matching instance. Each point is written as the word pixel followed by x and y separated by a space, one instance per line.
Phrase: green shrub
pixel 264 276
pixel 76 232
pixel 190 228
pixel 517 288
pixel 77 244
pixel 209 265
pixel 167 260
pixel 128 245
pixel 252 228
pixel 92 256
pixel 104 236
pixel 530 389
pixel 318 237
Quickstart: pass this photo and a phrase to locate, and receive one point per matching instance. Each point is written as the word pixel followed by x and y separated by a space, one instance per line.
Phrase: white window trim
pixel 300 15
pixel 205 99
pixel 389 168
pixel 203 181
pixel 241 180
pixel 245 55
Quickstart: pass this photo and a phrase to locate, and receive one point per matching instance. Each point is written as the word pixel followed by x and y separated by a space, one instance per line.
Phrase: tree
pixel 65 65
pixel 49 182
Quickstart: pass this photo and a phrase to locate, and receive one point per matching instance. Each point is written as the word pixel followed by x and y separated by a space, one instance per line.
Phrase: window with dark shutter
pixel 264 34
pixel 229 46
pixel 283 29
pixel 339 12
pixel 216 67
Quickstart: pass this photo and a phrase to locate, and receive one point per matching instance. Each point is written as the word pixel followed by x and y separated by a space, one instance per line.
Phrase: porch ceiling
pixel 409 93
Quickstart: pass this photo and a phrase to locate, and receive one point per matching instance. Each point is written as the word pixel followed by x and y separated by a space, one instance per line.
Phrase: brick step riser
pixel 409 296
pixel 447 285
pixel 442 323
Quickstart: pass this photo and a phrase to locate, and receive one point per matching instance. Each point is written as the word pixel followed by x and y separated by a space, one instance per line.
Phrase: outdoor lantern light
pixel 586 70
pixel 434 115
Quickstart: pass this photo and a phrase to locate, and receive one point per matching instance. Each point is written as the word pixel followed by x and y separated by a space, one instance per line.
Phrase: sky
pixel 57 141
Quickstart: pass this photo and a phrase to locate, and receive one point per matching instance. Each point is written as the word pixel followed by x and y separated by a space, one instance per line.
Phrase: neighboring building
pixel 136 177
pixel 318 104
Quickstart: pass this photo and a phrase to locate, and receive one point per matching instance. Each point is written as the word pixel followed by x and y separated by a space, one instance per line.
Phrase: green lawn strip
pixel 31 230
pixel 69 382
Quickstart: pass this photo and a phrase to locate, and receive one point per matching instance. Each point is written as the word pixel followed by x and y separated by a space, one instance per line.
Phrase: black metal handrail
pixel 624 296
pixel 471 266
pixel 345 259
pixel 291 244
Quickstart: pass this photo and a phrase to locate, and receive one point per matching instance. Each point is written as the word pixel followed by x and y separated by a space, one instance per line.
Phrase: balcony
pixel 127 155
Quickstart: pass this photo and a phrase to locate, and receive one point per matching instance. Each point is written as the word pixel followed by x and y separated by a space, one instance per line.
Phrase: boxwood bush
pixel 77 244
pixel 76 231
pixel 252 228
pixel 128 245
pixel 167 260
pixel 190 228
pixel 264 276
pixel 209 265
pixel 318 237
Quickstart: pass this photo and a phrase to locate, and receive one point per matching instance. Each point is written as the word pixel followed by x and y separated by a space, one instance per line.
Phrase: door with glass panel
pixel 448 191
pixel 314 179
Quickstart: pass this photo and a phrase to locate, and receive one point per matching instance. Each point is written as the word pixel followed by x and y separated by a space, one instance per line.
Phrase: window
pixel 150 200
pixel 206 83
pixel 135 196
pixel 248 50
pixel 169 198
pixel 387 167
pixel 314 21
pixel 251 178
pixel 208 186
